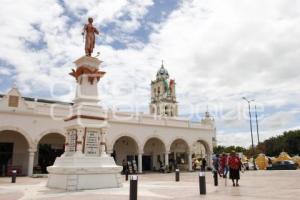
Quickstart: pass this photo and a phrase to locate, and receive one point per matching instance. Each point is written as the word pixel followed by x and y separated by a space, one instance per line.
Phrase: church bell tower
pixel 163 96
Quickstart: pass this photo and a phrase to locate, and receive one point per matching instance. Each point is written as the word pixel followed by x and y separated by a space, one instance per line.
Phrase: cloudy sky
pixel 217 51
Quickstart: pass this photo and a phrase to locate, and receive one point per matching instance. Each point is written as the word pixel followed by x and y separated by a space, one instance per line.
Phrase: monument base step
pixel 84 181
pixel 83 173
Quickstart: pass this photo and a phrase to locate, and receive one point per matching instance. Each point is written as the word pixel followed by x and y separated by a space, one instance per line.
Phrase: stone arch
pixel 31 144
pixel 153 136
pixel 126 148
pixel 49 131
pixel 180 154
pixel 208 150
pixel 178 138
pixel 50 146
pixel 113 141
pixel 154 150
pixel 16 149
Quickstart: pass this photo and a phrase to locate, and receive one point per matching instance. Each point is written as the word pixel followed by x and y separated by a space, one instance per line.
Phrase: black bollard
pixel 133 187
pixel 216 178
pixel 13 176
pixel 177 175
pixel 202 183
pixel 126 175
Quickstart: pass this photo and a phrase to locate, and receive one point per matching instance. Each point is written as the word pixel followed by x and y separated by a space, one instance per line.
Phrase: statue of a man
pixel 89 30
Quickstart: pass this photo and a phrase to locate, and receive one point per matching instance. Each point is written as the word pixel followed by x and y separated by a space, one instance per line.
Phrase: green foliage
pixel 288 142
pixel 223 149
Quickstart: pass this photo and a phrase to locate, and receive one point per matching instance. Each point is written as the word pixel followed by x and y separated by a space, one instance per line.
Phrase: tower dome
pixel 162 73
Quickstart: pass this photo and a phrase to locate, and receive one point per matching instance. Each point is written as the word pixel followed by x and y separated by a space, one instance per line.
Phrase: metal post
pixel 256 125
pixel 202 183
pixel 177 175
pixel 251 127
pixel 216 178
pixel 253 151
pixel 133 187
pixel 13 176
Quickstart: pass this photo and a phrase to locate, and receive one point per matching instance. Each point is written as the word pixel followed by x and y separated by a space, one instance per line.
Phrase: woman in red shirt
pixel 235 165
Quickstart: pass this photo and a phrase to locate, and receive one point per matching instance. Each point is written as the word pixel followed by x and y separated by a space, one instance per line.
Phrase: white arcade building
pixel 32 132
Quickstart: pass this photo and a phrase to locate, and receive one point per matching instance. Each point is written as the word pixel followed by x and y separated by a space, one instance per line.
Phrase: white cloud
pixel 279 120
pixel 244 138
pixel 218 51
pixel 5 71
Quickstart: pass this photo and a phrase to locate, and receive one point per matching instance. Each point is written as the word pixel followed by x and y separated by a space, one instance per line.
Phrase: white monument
pixel 85 164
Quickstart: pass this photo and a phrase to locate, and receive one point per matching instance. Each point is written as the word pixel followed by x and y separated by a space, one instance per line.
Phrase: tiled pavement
pixel 259 185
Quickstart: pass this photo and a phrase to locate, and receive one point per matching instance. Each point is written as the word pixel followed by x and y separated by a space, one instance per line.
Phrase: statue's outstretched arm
pixel 83 30
pixel 96 31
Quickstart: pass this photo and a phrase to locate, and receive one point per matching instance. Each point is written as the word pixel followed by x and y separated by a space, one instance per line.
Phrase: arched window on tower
pixel 166 110
pixel 158 90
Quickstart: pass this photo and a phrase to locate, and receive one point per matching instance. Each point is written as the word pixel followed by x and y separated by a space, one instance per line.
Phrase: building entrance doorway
pixel 47 156
pixel 147 163
pixel 13 153
pixel 6 155
pixel 154 148
pixel 50 147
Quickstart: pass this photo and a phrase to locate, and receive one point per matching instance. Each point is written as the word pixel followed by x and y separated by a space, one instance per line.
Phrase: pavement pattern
pixel 254 185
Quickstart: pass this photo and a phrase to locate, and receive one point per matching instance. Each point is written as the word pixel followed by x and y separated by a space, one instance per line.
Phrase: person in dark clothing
pixel 124 164
pixel 161 169
pixel 235 165
pixel 175 164
pixel 216 164
pixel 203 164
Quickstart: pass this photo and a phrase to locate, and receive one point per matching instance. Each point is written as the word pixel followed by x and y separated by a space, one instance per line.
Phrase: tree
pixel 289 142
pixel 222 149
pixel 219 149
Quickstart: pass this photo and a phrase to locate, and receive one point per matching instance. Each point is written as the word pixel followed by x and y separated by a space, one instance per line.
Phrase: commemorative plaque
pixel 92 143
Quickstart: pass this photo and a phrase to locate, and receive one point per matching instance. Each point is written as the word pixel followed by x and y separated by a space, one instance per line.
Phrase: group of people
pixel 200 162
pixel 232 164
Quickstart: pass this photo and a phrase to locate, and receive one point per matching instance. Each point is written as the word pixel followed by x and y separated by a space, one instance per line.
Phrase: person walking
pixel 235 165
pixel 203 164
pixel 216 164
pixel 125 166
pixel 224 165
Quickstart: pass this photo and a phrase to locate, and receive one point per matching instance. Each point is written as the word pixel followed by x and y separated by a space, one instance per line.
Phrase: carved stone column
pixel 190 161
pixel 140 162
pixel 31 153
pixel 166 158
pixel 103 141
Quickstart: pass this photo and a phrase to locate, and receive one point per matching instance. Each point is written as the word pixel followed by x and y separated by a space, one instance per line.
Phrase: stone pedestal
pixel 85 164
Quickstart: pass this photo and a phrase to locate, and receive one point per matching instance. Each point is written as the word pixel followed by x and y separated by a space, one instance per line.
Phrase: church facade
pixel 32 132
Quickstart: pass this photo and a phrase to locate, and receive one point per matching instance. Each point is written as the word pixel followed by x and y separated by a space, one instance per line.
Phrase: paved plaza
pixel 254 185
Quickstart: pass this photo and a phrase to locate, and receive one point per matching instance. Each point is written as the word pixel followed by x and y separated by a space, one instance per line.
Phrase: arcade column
pixel 140 164
pixel 190 161
pixel 31 153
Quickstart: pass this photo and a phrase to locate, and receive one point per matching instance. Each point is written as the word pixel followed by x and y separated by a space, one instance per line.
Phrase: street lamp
pixel 249 101
pixel 256 125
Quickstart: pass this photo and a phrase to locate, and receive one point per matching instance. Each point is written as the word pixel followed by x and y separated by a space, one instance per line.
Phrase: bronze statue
pixel 89 30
